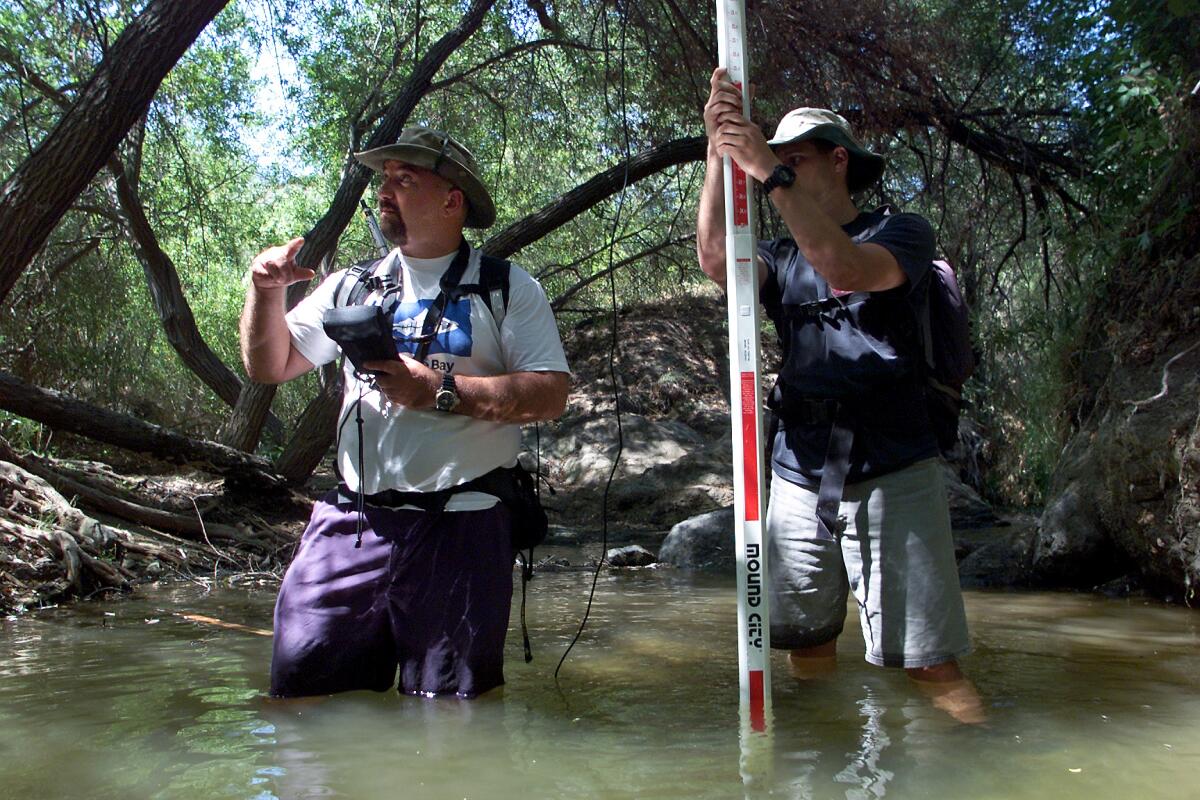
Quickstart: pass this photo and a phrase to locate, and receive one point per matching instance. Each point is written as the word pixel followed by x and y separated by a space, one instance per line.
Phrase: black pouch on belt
pixel 517 489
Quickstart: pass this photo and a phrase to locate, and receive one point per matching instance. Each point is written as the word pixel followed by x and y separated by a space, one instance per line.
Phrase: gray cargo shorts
pixel 895 554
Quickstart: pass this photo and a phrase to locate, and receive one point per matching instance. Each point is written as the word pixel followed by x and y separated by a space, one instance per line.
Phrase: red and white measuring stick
pixel 745 397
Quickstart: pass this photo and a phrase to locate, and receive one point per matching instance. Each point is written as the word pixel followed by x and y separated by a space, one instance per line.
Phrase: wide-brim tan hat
pixel 802 124
pixel 437 151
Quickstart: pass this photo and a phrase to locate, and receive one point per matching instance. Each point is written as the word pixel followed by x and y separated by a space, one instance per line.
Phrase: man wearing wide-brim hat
pixel 857 500
pixel 406 567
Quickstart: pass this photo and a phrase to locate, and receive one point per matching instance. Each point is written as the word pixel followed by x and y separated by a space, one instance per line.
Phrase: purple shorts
pixel 429 593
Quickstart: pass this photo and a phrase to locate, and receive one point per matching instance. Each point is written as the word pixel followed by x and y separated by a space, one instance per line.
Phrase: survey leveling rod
pixel 745 397
pixel 381 243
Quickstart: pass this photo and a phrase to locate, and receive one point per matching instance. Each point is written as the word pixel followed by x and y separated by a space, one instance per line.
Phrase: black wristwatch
pixel 446 398
pixel 782 176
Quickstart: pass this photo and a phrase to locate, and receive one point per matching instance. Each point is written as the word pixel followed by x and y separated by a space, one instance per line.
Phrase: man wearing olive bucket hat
pixel 857 502
pixel 408 565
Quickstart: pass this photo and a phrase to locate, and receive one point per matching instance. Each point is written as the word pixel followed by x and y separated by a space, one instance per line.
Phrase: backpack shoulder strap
pixel 926 320
pixel 867 233
pixel 358 274
pixel 492 286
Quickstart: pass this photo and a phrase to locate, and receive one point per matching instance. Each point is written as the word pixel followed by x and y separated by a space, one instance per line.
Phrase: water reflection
pixel 1086 698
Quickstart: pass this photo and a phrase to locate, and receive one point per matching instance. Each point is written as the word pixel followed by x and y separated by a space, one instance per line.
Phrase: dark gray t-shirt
pixel 858 349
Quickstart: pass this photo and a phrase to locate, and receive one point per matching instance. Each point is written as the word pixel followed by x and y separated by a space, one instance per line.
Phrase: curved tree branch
pixel 35 197
pixel 166 292
pixel 162 278
pixel 573 203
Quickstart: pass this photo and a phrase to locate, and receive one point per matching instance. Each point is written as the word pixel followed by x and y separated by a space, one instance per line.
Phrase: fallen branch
pixel 220 623
pixel 190 527
pixel 66 413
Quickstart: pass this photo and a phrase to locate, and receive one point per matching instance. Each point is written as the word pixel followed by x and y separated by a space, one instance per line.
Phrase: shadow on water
pixel 1086 697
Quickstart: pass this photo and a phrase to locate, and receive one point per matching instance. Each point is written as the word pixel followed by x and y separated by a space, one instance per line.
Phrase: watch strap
pixel 446 398
pixel 782 175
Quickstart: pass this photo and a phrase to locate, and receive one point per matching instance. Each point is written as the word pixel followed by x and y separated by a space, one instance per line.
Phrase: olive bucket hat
pixel 802 124
pixel 437 151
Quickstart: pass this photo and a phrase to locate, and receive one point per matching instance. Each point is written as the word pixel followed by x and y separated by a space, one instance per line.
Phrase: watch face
pixel 445 400
pixel 782 176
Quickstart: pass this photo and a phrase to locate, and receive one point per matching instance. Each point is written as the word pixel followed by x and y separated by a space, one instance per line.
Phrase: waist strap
pixel 802 410
pixel 496 483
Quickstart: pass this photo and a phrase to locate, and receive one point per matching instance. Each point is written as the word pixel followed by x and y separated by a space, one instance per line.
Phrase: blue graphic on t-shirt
pixel 453 335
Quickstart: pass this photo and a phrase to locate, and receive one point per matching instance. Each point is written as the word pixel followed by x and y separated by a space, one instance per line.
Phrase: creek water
pixel 1086 698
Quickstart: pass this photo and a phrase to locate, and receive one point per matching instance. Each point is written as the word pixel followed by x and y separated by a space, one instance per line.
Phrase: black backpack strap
pixel 925 323
pixel 492 286
pixel 450 291
pixel 833 476
pixel 359 273
pixel 493 276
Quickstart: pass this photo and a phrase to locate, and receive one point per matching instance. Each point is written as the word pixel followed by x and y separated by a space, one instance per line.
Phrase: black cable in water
pixel 612 351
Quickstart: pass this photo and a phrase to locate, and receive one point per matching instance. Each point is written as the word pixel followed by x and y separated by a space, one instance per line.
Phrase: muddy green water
pixel 1086 697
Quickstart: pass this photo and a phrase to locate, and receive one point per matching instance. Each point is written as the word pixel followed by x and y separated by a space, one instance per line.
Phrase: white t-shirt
pixel 416 450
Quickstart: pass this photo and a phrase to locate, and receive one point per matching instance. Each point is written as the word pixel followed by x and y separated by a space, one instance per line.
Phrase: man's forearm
pixel 266 342
pixel 518 397
pixel 710 220
pixel 842 263
pixel 822 240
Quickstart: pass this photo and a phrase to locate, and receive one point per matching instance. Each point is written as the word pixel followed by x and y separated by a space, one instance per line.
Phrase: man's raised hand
pixel 276 267
pixel 724 102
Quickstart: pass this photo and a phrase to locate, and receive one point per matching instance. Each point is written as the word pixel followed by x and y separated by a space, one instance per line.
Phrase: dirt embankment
pixel 1124 501
pixel 659 400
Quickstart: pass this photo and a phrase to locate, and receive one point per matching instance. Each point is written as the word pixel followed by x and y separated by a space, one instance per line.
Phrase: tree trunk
pixel 314 431
pixel 39 192
pixel 244 427
pixel 172 307
pixel 74 416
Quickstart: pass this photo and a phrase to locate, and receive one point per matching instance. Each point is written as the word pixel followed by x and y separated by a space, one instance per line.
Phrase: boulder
pixel 967 508
pixel 996 557
pixel 582 450
pixel 701 543
pixel 1072 547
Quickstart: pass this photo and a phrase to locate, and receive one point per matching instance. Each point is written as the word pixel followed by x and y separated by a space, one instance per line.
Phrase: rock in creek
pixel 701 543
pixel 632 556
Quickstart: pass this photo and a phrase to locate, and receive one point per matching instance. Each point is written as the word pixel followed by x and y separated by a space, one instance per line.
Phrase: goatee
pixel 393 228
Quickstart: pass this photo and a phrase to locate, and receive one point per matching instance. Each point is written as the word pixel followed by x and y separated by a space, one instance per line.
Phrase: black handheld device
pixel 363 332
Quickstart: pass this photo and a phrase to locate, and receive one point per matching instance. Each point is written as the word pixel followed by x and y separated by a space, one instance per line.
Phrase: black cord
pixel 613 347
pixel 362 489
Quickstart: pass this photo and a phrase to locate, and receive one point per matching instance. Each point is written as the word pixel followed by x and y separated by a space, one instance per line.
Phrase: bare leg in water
pixel 950 691
pixel 814 662
pixel 944 684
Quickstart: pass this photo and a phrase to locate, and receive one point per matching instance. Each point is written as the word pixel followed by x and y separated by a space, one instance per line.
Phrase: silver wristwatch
pixel 446 398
